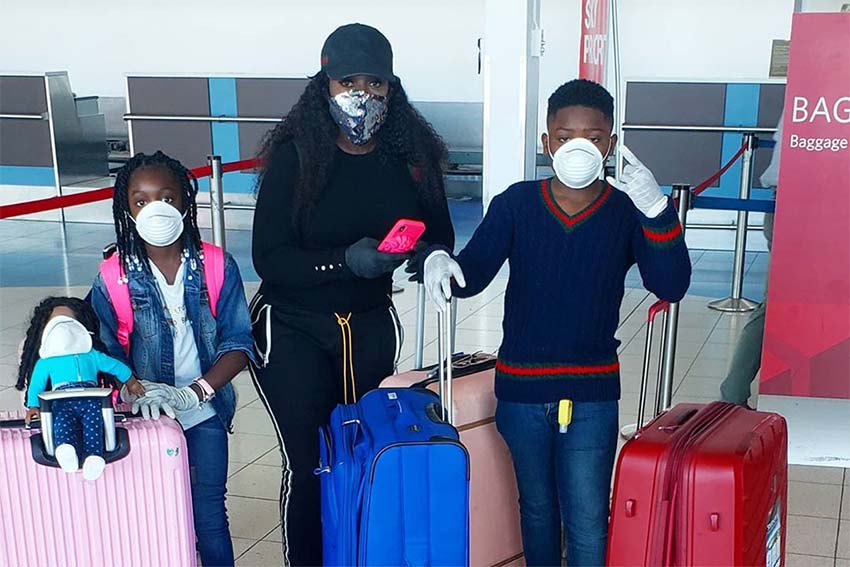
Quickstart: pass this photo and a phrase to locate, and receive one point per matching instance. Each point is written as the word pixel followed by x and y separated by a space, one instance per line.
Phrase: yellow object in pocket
pixel 565 414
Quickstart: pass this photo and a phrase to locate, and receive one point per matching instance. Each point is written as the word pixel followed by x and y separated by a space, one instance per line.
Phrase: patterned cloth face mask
pixel 359 114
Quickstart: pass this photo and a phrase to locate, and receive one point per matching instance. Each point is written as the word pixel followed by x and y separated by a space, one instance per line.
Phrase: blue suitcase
pixel 395 483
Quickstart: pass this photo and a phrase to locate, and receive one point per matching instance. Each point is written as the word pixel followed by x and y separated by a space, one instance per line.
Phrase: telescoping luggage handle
pixel 445 326
pixel 420 325
pixel 659 307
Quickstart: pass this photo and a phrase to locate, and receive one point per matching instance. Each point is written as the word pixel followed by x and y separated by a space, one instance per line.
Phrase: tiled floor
pixel 37 259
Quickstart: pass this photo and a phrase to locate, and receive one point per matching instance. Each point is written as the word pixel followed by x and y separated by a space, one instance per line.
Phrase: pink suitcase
pixel 494 531
pixel 49 518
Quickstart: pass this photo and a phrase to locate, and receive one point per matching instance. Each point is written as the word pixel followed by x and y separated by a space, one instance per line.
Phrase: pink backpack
pixel 119 293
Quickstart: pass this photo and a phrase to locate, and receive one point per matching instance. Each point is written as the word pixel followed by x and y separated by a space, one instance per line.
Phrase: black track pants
pixel 307 354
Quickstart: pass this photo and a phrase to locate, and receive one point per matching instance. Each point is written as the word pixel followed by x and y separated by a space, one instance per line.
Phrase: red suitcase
pixel 702 485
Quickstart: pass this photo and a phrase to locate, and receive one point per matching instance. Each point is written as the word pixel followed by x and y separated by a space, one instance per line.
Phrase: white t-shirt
pixel 187 362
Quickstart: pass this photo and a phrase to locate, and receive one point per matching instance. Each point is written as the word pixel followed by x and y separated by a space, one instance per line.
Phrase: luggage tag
pixel 565 415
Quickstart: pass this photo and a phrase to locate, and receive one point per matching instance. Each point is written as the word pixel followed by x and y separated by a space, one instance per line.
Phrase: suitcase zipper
pixel 674 519
pixel 349 509
pixel 720 411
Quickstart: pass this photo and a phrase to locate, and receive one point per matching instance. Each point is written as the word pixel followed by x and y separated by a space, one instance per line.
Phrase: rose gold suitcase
pixel 494 531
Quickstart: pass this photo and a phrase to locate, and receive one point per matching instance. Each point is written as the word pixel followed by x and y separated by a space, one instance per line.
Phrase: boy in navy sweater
pixel 570 241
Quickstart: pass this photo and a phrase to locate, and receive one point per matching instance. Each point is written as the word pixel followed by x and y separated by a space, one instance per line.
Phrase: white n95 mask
pixel 64 335
pixel 159 224
pixel 578 163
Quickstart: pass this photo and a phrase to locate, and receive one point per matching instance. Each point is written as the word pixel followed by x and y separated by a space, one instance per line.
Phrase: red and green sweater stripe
pixel 532 383
pixel 665 236
pixel 556 371
pixel 571 222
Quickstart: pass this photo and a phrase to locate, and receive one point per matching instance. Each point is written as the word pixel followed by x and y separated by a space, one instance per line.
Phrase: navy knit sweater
pixel 566 284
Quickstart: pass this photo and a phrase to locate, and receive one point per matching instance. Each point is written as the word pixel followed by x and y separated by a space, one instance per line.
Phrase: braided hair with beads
pixel 83 312
pixel 131 246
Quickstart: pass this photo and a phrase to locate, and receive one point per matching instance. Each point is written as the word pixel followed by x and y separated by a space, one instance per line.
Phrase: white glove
pixel 162 398
pixel 640 185
pixel 127 396
pixel 439 269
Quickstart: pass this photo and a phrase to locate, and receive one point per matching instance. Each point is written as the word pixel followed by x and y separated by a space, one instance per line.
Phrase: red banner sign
pixel 807 330
pixel 594 40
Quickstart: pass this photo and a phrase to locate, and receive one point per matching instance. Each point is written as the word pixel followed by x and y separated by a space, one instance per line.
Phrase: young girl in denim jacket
pixel 185 350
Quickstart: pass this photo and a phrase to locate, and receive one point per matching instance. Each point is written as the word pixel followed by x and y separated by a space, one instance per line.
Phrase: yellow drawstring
pixel 347 356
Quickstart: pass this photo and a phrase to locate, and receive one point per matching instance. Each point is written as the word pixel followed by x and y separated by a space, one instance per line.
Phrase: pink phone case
pixel 403 237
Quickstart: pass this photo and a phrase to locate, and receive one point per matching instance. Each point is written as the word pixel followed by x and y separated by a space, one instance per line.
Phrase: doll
pixel 59 352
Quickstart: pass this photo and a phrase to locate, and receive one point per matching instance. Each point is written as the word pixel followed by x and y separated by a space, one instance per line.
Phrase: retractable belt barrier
pixel 723 204
pixel 95 195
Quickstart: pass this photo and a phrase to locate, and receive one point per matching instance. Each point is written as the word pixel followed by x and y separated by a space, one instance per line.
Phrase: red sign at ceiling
pixel 807 330
pixel 594 40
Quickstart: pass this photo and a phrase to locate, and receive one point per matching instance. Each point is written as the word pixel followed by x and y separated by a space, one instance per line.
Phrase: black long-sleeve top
pixel 364 197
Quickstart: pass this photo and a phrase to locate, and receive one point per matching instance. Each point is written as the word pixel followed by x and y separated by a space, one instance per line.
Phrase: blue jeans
pixel 207 446
pixel 564 479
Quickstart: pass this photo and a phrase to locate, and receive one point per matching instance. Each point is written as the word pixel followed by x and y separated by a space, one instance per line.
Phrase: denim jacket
pixel 151 343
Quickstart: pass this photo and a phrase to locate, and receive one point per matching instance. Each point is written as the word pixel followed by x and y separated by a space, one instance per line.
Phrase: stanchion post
pixel 671 323
pixel 736 303
pixel 217 201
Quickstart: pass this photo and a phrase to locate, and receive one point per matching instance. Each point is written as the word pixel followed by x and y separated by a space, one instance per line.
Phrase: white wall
pixel 672 39
pixel 823 5
pixel 98 41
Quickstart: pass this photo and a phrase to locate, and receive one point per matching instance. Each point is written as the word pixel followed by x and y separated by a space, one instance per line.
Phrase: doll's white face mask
pixel 62 336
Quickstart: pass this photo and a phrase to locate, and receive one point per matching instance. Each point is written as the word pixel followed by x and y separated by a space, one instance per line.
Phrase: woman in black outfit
pixel 350 159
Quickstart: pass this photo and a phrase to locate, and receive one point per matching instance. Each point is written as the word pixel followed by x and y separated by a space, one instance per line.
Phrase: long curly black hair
pixel 405 135
pixel 130 244
pixel 83 312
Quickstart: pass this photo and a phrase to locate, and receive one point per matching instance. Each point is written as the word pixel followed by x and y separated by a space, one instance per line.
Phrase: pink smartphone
pixel 403 237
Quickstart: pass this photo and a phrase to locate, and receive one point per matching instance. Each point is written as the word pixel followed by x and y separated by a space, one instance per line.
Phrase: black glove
pixel 364 260
pixel 414 265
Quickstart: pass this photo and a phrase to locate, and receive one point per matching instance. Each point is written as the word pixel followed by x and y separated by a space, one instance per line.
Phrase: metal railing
pixel 684 128
pixel 164 118
pixel 42 116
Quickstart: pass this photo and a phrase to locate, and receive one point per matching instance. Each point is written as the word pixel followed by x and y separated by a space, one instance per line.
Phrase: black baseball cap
pixel 357 49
